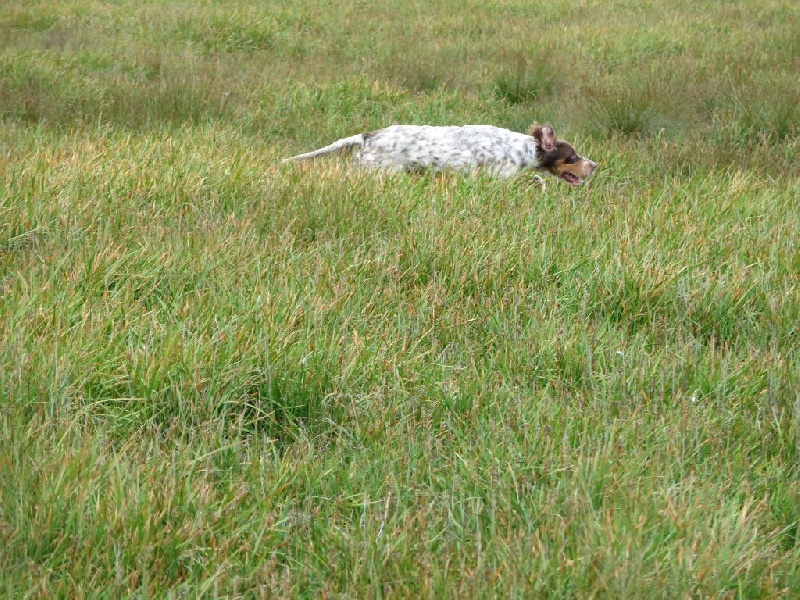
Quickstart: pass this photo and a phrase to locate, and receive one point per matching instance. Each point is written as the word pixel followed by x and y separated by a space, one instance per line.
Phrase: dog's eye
pixel 571 159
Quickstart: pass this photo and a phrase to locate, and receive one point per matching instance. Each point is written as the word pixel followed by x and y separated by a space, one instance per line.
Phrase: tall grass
pixel 224 377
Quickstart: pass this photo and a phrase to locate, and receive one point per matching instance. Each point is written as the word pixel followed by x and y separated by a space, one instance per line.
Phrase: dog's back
pixel 464 148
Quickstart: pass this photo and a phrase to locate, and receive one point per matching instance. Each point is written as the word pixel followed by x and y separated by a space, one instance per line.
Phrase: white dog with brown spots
pixel 467 148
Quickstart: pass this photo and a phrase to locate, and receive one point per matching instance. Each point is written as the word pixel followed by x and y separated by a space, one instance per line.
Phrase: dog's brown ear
pixel 545 135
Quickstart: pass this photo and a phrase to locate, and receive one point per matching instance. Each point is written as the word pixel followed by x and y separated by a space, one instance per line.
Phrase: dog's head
pixel 564 163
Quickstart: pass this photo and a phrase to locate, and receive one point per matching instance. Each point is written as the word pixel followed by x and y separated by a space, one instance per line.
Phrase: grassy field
pixel 221 376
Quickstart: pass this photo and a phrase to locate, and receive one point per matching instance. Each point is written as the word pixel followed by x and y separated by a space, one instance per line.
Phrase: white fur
pixel 424 147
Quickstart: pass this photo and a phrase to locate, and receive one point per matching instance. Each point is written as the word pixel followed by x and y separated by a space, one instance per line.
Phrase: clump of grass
pixel 233 33
pixel 30 21
pixel 742 120
pixel 626 108
pixel 525 82
pixel 420 74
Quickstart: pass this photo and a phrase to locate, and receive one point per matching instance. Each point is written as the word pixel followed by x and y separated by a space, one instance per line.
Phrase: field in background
pixel 220 376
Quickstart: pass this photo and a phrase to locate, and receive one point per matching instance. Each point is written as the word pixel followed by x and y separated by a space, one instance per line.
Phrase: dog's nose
pixel 592 166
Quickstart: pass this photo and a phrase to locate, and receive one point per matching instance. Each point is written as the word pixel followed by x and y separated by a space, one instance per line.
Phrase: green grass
pixel 221 376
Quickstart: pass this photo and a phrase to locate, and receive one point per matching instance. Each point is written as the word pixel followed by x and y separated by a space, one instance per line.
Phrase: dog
pixel 468 148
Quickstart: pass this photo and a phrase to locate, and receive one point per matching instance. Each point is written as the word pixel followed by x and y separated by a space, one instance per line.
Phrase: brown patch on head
pixel 545 137
pixel 565 164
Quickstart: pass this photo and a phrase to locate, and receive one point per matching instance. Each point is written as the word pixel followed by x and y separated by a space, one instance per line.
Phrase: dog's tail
pixel 353 140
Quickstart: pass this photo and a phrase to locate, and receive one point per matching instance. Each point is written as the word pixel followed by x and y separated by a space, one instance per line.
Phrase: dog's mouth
pixel 570 178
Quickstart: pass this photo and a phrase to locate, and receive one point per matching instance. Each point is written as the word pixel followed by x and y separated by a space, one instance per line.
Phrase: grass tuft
pixel 525 82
